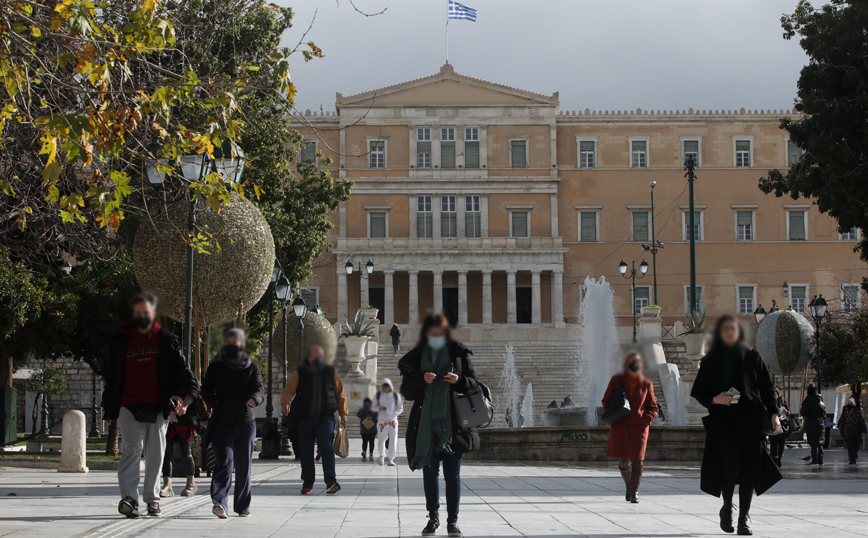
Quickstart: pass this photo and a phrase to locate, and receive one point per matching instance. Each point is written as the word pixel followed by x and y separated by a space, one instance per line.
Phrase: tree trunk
pixel 6 372
pixel 111 443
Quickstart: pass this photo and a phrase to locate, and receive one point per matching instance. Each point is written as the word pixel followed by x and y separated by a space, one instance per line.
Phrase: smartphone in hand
pixel 734 394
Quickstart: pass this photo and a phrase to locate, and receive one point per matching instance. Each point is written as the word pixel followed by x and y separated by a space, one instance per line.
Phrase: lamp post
pixel 282 293
pixel 270 430
pixel 759 314
pixel 818 309
pixel 369 270
pixel 654 246
pixel 690 166
pixel 94 418
pixel 786 288
pixel 228 162
pixel 643 269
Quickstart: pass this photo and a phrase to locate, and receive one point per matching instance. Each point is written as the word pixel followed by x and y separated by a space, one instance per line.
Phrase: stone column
pixel 536 298
pixel 510 297
pixel 462 298
pixel 73 453
pixel 486 297
pixel 413 292
pixel 558 298
pixel 363 283
pixel 389 300
pixel 343 296
pixel 438 292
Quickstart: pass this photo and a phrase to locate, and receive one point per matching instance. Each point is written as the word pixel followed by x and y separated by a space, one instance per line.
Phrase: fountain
pixel 527 407
pixel 509 384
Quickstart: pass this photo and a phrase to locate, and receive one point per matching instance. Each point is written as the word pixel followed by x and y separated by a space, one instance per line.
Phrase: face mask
pixel 437 342
pixel 317 363
pixel 633 367
pixel 232 350
pixel 143 322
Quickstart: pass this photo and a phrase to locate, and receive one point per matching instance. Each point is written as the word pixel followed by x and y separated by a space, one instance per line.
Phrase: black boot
pixel 636 479
pixel 627 475
pixel 744 524
pixel 726 517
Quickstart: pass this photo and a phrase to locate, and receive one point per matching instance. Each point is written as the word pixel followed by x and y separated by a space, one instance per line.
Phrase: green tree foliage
pixel 46 382
pixel 844 352
pixel 833 101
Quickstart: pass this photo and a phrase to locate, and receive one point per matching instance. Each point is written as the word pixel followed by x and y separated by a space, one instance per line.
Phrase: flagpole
pixel 447 36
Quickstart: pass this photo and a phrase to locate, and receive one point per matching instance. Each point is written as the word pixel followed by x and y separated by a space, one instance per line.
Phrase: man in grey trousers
pixel 146 377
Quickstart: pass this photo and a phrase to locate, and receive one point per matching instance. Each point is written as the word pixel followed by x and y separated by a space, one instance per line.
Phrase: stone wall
pixel 76 396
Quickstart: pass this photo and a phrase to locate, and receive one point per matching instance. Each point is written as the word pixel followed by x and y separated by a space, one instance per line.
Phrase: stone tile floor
pixel 499 499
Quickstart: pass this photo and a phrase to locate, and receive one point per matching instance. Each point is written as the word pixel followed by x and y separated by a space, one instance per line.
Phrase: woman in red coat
pixel 628 438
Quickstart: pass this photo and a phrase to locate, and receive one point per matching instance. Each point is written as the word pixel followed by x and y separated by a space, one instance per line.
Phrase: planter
pixel 694 344
pixel 370 313
pixel 355 346
pixel 650 311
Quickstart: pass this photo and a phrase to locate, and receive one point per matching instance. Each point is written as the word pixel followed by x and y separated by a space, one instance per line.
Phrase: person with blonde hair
pixel 628 438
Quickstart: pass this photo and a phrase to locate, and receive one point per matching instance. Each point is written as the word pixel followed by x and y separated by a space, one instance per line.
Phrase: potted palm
pixel 694 337
pixel 355 335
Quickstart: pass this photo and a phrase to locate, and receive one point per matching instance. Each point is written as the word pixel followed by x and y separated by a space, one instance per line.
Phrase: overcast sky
pixel 599 54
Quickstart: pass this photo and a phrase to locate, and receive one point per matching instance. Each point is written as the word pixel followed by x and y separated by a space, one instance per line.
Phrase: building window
pixel 850 297
pixel 641 297
pixel 640 226
pixel 794 153
pixel 423 147
pixel 700 304
pixel 697 225
pixel 310 296
pixel 799 298
pixel 424 217
pixel 377 225
pixel 742 154
pixel 797 225
pixel 471 147
pixel 639 151
pixel 377 152
pixel 448 217
pixel 472 216
pixel 690 150
pixel 744 225
pixel 518 153
pixel 587 154
pixel 308 153
pixel 588 226
pixel 852 235
pixel 746 299
pixel 519 224
pixel 447 147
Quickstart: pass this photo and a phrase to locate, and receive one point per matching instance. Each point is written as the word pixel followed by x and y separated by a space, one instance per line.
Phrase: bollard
pixel 73 447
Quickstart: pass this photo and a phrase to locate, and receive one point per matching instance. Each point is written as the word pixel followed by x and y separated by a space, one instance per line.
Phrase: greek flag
pixel 460 11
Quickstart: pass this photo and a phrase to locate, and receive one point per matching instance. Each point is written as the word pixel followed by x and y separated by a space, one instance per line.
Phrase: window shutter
pixel 308 153
pixel 744 218
pixel 742 145
pixel 447 155
pixel 471 155
pixel 519 154
pixel 589 226
pixel 691 146
pixel 378 225
pixel 794 153
pixel 640 226
pixel 586 145
pixel 639 145
pixel 797 226
pixel 519 224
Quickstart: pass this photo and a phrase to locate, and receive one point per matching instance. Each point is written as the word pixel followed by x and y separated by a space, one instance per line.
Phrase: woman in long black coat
pixel 736 449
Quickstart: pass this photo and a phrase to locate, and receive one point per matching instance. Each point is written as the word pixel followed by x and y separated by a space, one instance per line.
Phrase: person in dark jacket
pixel 852 426
pixel 367 428
pixel 315 393
pixel 813 411
pixel 146 379
pixel 777 443
pixel 395 333
pixel 431 372
pixel 181 431
pixel 735 386
pixel 629 437
pixel 233 388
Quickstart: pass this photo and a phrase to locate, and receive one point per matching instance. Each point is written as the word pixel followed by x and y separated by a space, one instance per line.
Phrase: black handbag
pixel 618 408
pixel 473 409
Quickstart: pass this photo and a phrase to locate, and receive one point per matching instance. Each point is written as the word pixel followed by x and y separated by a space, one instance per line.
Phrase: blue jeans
pixel 322 432
pixel 431 480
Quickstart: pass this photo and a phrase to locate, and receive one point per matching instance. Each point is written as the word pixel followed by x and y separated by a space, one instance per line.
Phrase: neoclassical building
pixel 493 205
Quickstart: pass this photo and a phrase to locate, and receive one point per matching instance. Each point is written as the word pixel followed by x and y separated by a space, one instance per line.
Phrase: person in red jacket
pixel 629 437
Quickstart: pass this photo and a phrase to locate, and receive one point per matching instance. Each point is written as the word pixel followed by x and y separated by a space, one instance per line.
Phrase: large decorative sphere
pixel 784 340
pixel 317 332
pixel 230 279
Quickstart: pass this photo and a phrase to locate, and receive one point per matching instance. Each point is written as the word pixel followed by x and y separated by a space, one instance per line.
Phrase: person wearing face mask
pixel 735 385
pixel 315 393
pixel 232 388
pixel 431 372
pixel 146 379
pixel 629 437
pixel 389 406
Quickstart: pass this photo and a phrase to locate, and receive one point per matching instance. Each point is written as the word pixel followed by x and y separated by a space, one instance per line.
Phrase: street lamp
pixel 66 268
pixel 759 314
pixel 643 270
pixel 818 309
pixel 228 161
pixel 270 430
pixel 369 270
pixel 655 244
pixel 690 166
pixel 282 291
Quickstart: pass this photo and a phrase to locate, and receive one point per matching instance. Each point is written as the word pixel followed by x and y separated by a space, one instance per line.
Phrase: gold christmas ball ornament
pixel 230 279
pixel 317 332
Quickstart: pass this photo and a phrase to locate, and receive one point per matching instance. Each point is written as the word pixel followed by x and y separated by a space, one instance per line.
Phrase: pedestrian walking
pixel 629 437
pixel 146 379
pixel 367 428
pixel 316 393
pixel 233 388
pixel 735 386
pixel 395 333
pixel 181 431
pixel 852 426
pixel 778 442
pixel 389 406
pixel 437 367
pixel 813 412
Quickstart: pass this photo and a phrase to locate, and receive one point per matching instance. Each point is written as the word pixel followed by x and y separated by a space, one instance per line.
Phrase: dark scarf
pixel 236 363
pixel 435 424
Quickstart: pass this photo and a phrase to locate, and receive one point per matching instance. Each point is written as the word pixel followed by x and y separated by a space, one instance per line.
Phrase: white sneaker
pixel 382 460
pixel 392 463
pixel 219 511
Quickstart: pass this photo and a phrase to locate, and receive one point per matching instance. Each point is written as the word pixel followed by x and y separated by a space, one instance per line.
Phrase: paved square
pixel 499 499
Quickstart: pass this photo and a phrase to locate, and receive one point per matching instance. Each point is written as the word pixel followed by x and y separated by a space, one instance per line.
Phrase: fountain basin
pixel 571 416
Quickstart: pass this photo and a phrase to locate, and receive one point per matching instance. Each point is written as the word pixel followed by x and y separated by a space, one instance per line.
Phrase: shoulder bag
pixel 619 406
pixel 473 409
